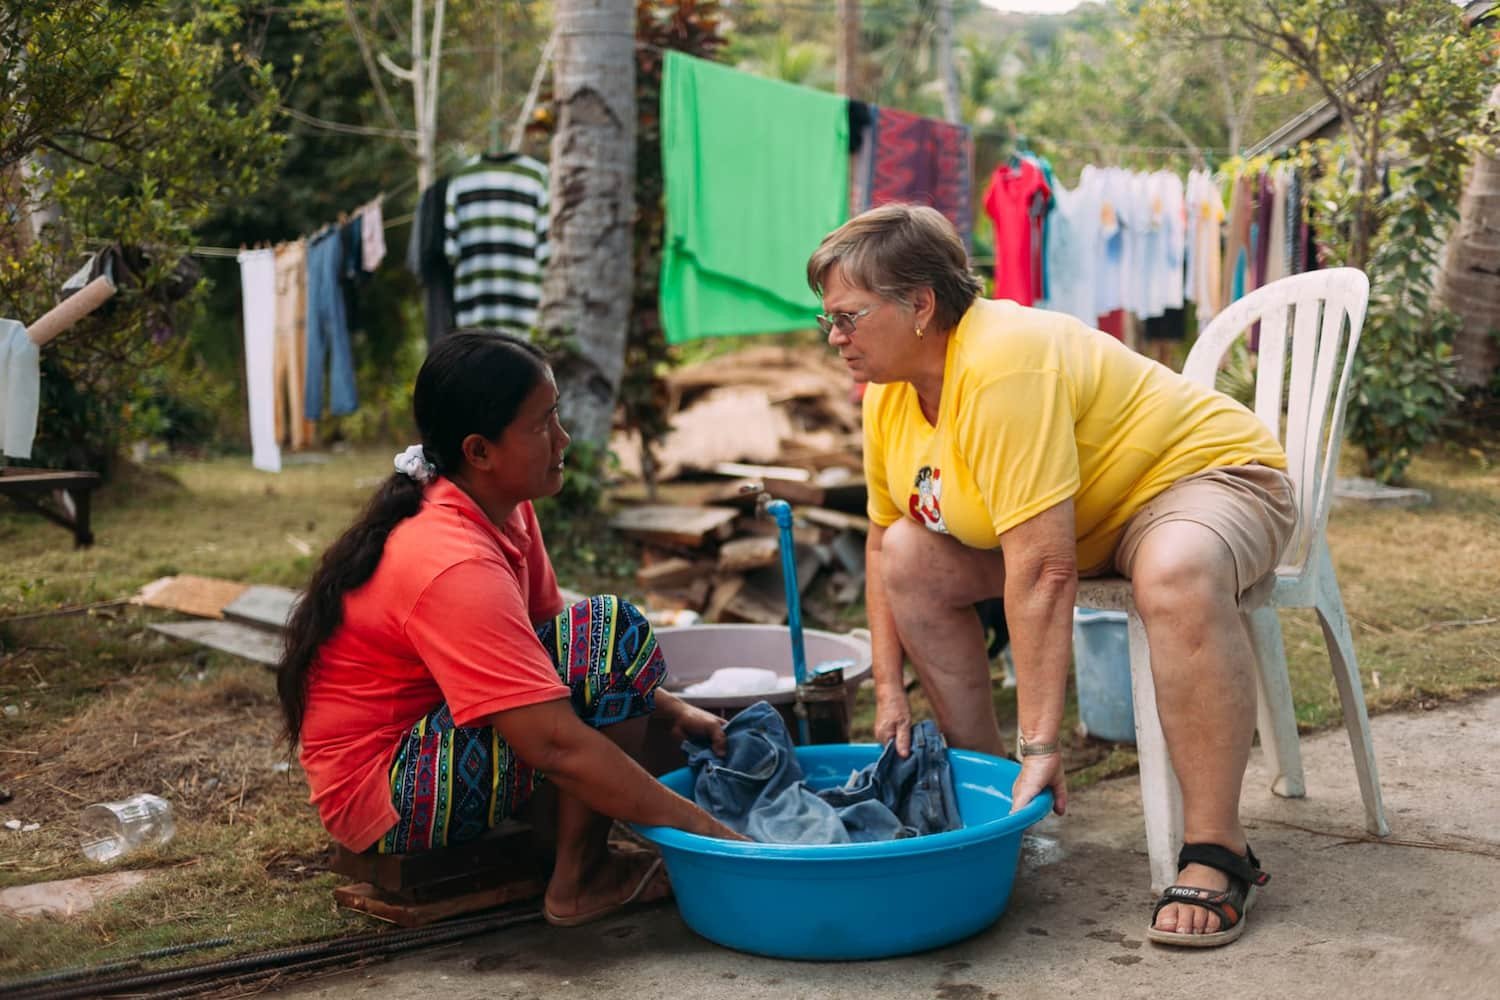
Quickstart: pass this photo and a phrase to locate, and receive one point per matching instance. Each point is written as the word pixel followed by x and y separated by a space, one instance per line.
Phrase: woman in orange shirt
pixel 432 675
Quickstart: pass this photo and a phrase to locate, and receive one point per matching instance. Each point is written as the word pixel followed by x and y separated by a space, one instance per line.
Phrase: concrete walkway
pixel 1415 916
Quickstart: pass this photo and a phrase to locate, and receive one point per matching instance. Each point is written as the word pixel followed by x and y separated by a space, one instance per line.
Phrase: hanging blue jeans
pixel 757 788
pixel 327 330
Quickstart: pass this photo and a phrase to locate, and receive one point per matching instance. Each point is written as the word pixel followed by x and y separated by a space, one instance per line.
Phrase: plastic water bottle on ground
pixel 113 829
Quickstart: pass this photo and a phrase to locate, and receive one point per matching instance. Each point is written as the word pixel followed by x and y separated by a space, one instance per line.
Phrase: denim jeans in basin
pixel 757 788
pixel 917 790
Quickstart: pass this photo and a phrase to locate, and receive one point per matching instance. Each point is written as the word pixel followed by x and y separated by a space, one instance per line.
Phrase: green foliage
pixel 1404 377
pixel 134 121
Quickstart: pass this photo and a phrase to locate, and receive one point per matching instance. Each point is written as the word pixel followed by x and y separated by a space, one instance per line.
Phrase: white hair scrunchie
pixel 413 464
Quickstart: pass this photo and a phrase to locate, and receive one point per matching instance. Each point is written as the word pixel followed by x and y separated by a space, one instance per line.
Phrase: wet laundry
pixel 758 788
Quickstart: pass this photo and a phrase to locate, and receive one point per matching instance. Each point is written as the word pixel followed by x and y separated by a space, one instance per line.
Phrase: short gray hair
pixel 895 249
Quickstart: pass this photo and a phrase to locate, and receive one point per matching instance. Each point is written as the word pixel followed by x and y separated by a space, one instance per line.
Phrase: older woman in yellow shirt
pixel 1009 451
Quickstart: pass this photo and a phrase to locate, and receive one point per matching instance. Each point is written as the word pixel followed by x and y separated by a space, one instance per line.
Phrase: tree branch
pixel 370 70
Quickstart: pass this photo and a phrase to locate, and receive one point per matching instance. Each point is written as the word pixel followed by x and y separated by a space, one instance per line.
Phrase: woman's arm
pixel 586 764
pixel 1041 580
pixel 887 658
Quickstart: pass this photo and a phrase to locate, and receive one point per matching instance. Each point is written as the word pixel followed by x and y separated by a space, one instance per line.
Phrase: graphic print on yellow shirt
pixel 925 502
pixel 1036 408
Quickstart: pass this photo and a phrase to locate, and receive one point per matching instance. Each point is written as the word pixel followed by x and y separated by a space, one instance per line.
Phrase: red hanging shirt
pixel 1016 202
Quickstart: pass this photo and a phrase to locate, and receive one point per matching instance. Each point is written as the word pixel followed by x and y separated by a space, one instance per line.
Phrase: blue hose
pixel 782 512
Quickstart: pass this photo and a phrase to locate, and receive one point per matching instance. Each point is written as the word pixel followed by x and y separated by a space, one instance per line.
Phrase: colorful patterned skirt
pixel 450 785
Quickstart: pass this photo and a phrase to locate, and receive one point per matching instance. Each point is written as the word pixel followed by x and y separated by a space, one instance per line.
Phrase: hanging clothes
pixel 372 235
pixel 329 354
pixel 1204 283
pixel 495 221
pixel 756 174
pixel 1265 212
pixel 861 154
pixel 258 301
pixel 1015 201
pixel 20 389
pixel 1278 261
pixel 1109 289
pixel 1237 238
pixel 290 336
pixel 922 161
pixel 427 258
pixel 1069 251
pixel 1046 167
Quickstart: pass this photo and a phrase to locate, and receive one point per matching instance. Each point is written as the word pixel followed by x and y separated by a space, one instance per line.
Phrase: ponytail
pixel 347 565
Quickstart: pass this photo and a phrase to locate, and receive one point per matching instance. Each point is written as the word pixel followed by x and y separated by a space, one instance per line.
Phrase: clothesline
pixel 232 252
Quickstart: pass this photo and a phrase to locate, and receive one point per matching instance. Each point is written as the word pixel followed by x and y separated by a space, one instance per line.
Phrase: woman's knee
pixel 922 565
pixel 1187 581
pixel 614 664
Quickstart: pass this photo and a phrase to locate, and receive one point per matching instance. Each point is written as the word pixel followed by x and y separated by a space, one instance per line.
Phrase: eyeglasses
pixel 844 322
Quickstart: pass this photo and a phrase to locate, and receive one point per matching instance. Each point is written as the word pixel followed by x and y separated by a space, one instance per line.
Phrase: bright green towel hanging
pixel 756 174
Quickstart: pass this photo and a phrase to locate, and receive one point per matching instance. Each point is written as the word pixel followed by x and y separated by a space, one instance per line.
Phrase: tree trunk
pixel 1469 282
pixel 586 293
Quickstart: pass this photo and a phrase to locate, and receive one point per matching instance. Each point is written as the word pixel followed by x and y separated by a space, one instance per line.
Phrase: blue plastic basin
pixel 849 901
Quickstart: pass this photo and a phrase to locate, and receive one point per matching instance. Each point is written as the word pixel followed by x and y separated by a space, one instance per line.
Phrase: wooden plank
pixel 726 588
pixel 745 470
pixel 508 846
pixel 263 607
pixel 690 596
pixel 252 643
pixel 671 525
pixel 671 572
pixel 368 899
pixel 40 480
pixel 836 519
pixel 743 554
pixel 192 595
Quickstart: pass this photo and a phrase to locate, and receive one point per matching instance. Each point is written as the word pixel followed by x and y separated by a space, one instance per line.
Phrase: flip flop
pixel 579 919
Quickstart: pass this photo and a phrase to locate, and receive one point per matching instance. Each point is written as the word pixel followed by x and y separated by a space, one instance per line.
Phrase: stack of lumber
pixel 761 423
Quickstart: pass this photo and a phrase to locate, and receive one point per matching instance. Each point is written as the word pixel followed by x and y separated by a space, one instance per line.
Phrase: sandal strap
pixel 1246 869
pixel 1228 904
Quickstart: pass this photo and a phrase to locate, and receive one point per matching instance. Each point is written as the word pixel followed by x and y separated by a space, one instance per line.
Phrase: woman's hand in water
pixel 689 722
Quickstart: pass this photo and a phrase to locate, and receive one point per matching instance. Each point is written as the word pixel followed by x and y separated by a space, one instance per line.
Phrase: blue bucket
pixel 1101 651
pixel 853 901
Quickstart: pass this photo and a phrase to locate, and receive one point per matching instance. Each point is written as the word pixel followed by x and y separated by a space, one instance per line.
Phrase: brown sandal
pixel 1231 905
pixel 655 873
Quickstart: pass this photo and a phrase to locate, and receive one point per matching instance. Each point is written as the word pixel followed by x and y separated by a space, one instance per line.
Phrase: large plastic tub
pixel 693 652
pixel 854 901
pixel 1101 651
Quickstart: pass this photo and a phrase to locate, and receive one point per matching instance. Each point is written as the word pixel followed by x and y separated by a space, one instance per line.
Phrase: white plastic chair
pixel 1323 311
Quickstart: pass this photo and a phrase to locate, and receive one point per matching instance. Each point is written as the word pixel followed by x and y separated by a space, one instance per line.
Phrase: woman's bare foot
pixel 616 881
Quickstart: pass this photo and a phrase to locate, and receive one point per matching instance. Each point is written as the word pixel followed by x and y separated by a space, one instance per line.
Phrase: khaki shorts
pixel 1251 507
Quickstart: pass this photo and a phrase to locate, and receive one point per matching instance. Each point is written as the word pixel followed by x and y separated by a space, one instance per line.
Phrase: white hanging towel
pixel 258 297
pixel 20 389
pixel 372 235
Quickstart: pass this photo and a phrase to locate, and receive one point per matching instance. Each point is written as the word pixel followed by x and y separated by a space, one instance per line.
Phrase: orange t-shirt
pixel 449 616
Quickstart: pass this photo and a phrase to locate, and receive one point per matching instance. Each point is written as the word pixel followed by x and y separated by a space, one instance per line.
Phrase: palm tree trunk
pixel 586 293
pixel 1469 282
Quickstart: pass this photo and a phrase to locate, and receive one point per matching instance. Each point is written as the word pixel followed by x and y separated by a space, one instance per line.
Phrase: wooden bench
pixel 29 489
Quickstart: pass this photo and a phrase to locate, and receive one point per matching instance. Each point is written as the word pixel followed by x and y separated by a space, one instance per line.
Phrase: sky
pixel 1033 6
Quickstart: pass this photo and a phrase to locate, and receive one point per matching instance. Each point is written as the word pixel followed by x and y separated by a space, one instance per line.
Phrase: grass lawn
pixel 104 707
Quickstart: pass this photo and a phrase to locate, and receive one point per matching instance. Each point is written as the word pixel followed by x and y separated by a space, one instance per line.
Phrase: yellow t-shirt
pixel 1036 408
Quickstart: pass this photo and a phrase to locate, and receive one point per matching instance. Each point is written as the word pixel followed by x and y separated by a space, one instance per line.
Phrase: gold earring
pixel 919 333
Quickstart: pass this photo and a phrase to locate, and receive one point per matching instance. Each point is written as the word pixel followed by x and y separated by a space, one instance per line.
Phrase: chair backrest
pixel 1323 312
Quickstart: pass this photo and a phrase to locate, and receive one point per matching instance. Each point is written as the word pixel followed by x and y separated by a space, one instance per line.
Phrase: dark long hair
pixel 473 382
